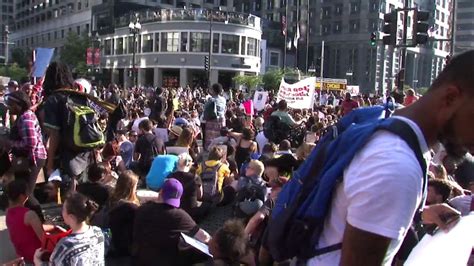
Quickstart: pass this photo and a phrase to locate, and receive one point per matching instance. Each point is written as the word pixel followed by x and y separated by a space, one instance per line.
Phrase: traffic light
pixel 420 27
pixel 373 39
pixel 390 28
pixel 206 63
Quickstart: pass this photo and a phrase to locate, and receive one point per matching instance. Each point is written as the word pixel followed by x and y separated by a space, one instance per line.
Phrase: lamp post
pixel 134 28
pixel 211 15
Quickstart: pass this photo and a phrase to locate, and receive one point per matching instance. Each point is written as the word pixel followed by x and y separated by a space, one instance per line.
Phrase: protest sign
pixel 299 95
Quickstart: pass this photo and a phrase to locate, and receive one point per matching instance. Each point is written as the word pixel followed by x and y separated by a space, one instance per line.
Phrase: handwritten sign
pixel 299 95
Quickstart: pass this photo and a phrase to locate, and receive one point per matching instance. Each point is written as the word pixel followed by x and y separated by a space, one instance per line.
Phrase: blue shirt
pixel 161 167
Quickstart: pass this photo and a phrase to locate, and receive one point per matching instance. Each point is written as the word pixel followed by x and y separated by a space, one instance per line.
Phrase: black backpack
pixel 251 192
pixel 209 177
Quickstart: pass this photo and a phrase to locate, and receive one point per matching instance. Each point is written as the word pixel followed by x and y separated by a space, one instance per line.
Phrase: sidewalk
pixel 7 252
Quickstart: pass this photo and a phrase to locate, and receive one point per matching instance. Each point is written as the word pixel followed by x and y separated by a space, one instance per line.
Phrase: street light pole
pixel 135 28
pixel 210 49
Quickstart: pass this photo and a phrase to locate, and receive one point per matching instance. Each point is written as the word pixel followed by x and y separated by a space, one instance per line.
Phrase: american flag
pixel 283 25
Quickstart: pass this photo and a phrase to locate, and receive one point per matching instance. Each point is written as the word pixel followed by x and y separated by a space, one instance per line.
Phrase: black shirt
pixel 121 219
pixel 148 146
pixel 191 184
pixel 95 191
pixel 157 231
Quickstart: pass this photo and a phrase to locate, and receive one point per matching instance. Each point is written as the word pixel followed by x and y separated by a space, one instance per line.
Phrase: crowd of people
pixel 201 150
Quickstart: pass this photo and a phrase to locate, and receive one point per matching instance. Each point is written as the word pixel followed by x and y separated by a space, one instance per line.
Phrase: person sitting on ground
pixel 439 191
pixel 158 226
pixel 85 244
pixel 224 139
pixel 282 113
pixel 245 146
pixel 162 166
pixel 192 187
pixel 24 226
pixel 213 172
pixel 122 207
pixel 251 191
pixel 112 158
pixel 229 246
pixel 284 148
pixel 93 188
pixel 174 133
pixel 268 152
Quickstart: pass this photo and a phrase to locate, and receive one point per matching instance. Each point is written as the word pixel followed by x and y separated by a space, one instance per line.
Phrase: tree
pixel 15 72
pixel 21 57
pixel 251 82
pixel 271 79
pixel 74 53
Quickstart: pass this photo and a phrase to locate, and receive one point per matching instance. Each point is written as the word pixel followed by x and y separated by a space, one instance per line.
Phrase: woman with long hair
pixel 187 139
pixel 25 143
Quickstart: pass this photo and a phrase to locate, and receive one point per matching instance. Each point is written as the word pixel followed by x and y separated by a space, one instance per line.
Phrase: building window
pixel 119 48
pixel 354 26
pixel 274 59
pixel 147 45
pixel 230 44
pixel 252 47
pixel 374 6
pixel 355 8
pixel 108 47
pixel 337 27
pixel 326 12
pixel 184 42
pixel 215 43
pixel 170 41
pixel 78 30
pixel 200 42
pixel 325 29
pixel 157 42
pixel 62 34
pixel 373 25
pixel 242 45
pixel 338 9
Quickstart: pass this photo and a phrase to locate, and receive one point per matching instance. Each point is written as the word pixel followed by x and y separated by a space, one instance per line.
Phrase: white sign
pixel 299 95
pixel 259 100
pixel 353 90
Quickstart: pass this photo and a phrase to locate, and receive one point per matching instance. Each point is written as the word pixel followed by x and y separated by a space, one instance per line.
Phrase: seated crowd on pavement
pixel 172 157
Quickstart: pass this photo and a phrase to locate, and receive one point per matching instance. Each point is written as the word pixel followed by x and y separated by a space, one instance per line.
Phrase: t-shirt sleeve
pixel 52 112
pixel 187 223
pixel 383 186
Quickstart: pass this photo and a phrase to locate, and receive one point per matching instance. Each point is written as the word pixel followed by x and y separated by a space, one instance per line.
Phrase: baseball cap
pixel 13 83
pixel 171 192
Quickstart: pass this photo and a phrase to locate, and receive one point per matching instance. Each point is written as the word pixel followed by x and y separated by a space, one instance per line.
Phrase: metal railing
pixel 173 15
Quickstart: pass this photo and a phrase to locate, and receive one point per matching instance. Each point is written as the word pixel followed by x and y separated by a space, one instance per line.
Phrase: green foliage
pixel 250 82
pixel 422 90
pixel 74 53
pixel 271 79
pixel 14 71
pixel 21 57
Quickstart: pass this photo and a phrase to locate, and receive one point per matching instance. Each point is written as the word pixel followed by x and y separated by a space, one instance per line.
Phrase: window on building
pixel 78 30
pixel 62 34
pixel 274 59
pixel 215 43
pixel 252 47
pixel 119 48
pixel 157 42
pixel 147 45
pixel 354 26
pixel 373 25
pixel 326 12
pixel 199 42
pixel 338 9
pixel 337 27
pixel 325 29
pixel 355 7
pixel 230 44
pixel 170 41
pixel 374 6
pixel 108 47
pixel 79 5
pixel 243 45
pixel 184 42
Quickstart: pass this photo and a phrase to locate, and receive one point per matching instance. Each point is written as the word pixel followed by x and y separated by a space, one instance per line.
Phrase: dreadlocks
pixel 58 76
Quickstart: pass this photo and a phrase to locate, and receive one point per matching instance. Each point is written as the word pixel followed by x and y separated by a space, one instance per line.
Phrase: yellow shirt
pixel 224 172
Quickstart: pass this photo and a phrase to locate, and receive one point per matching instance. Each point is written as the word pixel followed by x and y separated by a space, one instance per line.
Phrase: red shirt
pixel 409 100
pixel 23 236
pixel 348 106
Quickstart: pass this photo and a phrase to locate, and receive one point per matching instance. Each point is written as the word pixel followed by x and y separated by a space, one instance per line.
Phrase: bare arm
pixel 362 248
pixel 32 219
pixel 254 222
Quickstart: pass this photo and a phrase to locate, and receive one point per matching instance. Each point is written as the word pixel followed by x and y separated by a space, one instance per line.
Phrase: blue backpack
pixel 302 205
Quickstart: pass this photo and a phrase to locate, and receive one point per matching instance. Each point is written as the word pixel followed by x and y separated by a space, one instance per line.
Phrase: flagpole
pixel 307 35
pixel 286 34
pixel 297 37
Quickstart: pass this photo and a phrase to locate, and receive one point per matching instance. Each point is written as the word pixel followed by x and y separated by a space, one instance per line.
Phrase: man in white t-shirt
pixel 375 204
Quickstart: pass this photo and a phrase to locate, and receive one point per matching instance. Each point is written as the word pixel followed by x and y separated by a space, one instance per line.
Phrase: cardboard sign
pixel 299 95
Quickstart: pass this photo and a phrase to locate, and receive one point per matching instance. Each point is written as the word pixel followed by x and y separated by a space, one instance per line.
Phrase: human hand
pixel 440 214
pixel 37 256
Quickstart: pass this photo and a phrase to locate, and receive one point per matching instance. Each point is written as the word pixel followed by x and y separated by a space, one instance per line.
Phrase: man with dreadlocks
pixel 70 162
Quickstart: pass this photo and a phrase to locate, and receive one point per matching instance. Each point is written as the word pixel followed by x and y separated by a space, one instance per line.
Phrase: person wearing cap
pixel 158 226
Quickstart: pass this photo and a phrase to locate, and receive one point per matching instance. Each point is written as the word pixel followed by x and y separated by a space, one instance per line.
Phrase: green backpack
pixel 81 126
